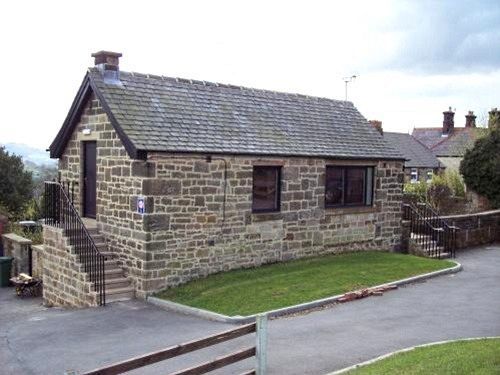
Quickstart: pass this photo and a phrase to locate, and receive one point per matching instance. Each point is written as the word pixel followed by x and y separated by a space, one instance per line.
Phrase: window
pixel 348 186
pixel 429 176
pixel 414 175
pixel 266 189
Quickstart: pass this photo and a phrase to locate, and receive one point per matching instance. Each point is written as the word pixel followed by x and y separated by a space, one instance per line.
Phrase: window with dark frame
pixel 266 189
pixel 348 186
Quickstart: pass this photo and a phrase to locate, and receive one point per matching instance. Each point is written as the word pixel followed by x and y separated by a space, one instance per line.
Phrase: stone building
pixel 184 178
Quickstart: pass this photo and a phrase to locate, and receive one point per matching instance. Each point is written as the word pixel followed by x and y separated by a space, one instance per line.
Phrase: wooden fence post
pixel 261 345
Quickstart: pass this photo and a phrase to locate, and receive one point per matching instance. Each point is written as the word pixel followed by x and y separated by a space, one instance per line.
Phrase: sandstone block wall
pixel 476 229
pixel 64 282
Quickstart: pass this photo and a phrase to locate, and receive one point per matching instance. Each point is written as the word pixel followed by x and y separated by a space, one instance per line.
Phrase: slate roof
pixel 417 155
pixel 455 144
pixel 155 113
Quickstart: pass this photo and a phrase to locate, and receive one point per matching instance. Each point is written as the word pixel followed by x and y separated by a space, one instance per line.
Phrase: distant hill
pixel 30 154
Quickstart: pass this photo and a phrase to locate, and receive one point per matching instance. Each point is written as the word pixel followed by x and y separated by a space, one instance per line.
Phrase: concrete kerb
pixel 384 356
pixel 210 315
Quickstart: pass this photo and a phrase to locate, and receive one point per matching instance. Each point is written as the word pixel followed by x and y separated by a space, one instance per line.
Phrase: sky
pixel 412 59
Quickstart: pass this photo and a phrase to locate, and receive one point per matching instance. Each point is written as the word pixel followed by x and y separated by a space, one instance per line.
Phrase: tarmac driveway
pixel 36 340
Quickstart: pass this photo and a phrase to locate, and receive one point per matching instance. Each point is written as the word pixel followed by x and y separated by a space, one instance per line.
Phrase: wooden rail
pixel 259 351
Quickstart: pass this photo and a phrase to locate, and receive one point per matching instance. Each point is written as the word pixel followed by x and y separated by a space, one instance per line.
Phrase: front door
pixel 89 179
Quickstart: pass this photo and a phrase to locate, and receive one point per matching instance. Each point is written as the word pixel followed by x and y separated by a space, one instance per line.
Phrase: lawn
pixel 461 357
pixel 250 291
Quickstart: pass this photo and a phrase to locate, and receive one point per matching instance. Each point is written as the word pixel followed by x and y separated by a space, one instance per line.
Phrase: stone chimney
pixel 377 125
pixel 470 120
pixel 494 118
pixel 108 63
pixel 448 122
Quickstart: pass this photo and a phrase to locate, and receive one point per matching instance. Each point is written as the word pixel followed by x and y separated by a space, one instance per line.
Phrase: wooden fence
pixel 258 351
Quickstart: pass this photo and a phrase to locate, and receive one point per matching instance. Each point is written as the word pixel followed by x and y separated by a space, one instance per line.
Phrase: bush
pixel 438 191
pixel 455 183
pixel 416 191
pixel 34 234
pixel 480 167
pixel 16 183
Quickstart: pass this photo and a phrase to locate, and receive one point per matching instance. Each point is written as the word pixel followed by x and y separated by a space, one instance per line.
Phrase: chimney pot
pixel 448 122
pixel 470 120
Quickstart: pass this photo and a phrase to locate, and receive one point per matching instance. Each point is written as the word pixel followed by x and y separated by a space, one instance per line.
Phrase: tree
pixel 16 184
pixel 480 167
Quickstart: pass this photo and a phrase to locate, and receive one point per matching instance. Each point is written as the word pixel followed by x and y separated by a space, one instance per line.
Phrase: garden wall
pixel 476 229
pixel 18 248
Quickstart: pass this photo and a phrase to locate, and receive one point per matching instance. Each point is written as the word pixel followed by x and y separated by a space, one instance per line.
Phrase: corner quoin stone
pixel 156 222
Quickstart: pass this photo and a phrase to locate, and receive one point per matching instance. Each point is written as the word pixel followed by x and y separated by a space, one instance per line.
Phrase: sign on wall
pixel 140 205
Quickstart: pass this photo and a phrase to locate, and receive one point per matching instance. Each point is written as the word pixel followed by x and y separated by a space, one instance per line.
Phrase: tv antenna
pixel 348 80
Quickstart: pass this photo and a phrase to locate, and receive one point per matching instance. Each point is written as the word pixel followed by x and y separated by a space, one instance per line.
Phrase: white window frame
pixel 414 175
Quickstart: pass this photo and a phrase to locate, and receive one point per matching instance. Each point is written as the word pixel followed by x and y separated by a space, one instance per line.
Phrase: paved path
pixel 35 340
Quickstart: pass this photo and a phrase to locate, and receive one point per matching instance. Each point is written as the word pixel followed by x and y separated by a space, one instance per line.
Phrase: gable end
pixel 86 88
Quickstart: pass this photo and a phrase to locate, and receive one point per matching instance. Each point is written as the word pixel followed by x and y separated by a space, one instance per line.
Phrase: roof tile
pixel 164 114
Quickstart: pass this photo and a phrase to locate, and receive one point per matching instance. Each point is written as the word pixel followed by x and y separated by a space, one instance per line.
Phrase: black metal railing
pixel 434 235
pixel 60 212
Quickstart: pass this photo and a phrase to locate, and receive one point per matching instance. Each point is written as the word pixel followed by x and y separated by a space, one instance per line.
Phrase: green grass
pixel 461 357
pixel 250 291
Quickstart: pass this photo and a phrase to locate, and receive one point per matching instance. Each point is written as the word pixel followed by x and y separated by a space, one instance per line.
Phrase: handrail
pixel 443 236
pixel 428 207
pixel 61 213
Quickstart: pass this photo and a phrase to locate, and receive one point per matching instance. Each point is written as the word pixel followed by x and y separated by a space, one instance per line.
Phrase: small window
pixel 414 175
pixel 348 186
pixel 429 176
pixel 266 189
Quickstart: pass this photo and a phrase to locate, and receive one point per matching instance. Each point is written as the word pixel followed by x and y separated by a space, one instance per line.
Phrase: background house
pixel 185 178
pixel 420 163
pixel 449 143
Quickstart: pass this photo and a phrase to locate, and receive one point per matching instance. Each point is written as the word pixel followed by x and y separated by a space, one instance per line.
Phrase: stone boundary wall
pixel 476 229
pixel 64 283
pixel 18 248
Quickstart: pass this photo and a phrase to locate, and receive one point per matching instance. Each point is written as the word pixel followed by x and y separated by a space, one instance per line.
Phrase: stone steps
pixel 428 246
pixel 118 286
pixel 119 294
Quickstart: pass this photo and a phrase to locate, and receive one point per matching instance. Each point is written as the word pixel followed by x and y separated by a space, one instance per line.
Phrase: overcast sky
pixel 413 59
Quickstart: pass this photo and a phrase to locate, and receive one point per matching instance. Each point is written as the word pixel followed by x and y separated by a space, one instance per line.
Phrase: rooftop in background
pixel 455 144
pixel 417 155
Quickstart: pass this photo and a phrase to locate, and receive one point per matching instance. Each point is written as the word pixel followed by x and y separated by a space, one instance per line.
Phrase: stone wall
pixel 196 222
pixel 18 248
pixel 64 282
pixel 476 229
pixel 37 260
pixel 118 179
pixel 196 230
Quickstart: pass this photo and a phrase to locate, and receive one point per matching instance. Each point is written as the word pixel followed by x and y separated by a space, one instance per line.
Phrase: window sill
pixel 350 210
pixel 266 216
